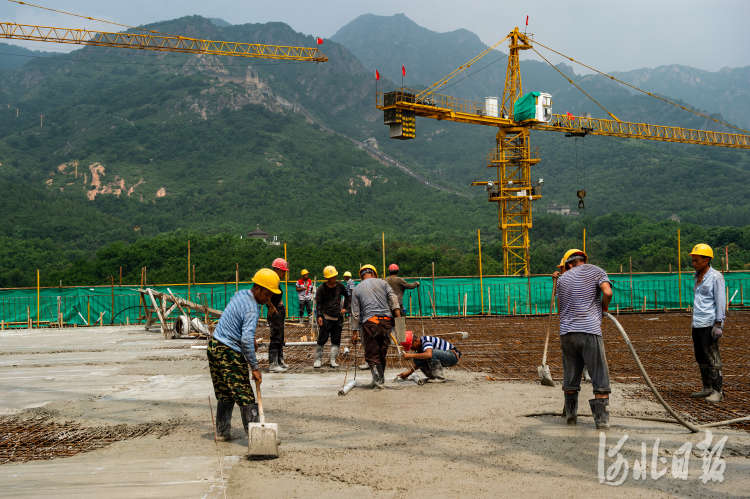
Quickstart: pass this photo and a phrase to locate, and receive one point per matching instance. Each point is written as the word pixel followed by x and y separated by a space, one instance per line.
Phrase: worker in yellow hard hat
pixel 583 293
pixel 349 283
pixel 709 307
pixel 304 293
pixel 231 352
pixel 330 313
pixel 374 304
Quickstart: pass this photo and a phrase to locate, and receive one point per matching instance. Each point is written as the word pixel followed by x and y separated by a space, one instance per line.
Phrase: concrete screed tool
pixel 262 438
pixel 545 378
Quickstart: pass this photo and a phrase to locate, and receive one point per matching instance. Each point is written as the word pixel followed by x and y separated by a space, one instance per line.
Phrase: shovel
pixel 262 437
pixel 545 378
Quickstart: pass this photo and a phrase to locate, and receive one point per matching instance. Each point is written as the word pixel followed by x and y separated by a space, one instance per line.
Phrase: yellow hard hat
pixel 572 252
pixel 268 279
pixel 347 274
pixel 329 272
pixel 370 267
pixel 703 250
pixel 562 264
pixel 304 271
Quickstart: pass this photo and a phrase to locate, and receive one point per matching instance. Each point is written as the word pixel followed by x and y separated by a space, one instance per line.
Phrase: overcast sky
pixel 608 35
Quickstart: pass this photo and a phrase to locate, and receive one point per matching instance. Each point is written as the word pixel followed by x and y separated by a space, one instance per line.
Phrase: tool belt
pixel 377 320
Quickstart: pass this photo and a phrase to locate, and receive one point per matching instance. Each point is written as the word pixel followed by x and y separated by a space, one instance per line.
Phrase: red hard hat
pixel 280 264
pixel 406 345
pixel 393 266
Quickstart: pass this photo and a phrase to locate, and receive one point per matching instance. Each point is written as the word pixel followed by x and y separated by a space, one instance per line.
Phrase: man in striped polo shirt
pixel 433 354
pixel 584 293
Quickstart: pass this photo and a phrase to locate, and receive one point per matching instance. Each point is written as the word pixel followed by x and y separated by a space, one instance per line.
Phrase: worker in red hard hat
pixel 432 355
pixel 276 322
pixel 398 284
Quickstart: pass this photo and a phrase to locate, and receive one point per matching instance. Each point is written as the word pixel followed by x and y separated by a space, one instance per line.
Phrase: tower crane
pixel 513 156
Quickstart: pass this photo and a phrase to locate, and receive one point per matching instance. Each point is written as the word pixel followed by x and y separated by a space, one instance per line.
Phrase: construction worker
pixel 561 268
pixel 349 283
pixel 304 292
pixel 709 313
pixel 398 284
pixel 232 349
pixel 373 307
pixel 433 354
pixel 330 313
pixel 276 322
pixel 584 293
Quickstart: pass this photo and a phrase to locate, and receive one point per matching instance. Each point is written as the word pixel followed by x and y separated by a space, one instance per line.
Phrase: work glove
pixel 716 332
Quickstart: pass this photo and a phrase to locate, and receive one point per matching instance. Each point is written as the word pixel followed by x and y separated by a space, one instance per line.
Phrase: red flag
pixel 570 116
pixel 527 20
pixel 319 40
pixel 403 70
pixel 377 75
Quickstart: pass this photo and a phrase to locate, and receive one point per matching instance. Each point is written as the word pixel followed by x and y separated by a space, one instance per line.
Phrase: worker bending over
pixel 330 312
pixel 232 349
pixel 372 303
pixel 398 284
pixel 276 322
pixel 304 293
pixel 709 307
pixel 584 293
pixel 432 355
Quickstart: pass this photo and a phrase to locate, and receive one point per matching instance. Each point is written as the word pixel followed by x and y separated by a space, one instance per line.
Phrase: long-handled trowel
pixel 545 378
pixel 262 438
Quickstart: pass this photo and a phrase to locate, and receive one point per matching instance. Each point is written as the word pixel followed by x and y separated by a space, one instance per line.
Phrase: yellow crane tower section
pixel 513 156
pixel 160 42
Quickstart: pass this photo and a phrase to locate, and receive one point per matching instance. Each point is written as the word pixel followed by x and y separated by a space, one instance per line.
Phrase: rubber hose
pixel 689 426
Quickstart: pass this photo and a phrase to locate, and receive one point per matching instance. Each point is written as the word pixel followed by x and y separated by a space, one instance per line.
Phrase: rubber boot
pixel 571 408
pixel 381 376
pixel 224 420
pixel 334 354
pixel 437 372
pixel 281 359
pixel 706 378
pixel 249 414
pixel 318 356
pixel 375 376
pixel 273 361
pixel 600 413
pixel 586 376
pixel 717 383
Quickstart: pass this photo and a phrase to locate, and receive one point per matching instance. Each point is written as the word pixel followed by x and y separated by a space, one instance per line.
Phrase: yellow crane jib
pixel 164 43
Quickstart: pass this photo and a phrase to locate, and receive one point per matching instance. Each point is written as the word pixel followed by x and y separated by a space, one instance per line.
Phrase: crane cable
pixel 634 87
pixel 98 20
pixel 579 88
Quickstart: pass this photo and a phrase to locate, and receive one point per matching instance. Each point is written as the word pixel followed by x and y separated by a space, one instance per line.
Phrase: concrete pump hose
pixel 684 423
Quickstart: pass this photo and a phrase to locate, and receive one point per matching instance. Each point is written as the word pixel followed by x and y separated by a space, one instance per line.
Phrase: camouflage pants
pixel 230 374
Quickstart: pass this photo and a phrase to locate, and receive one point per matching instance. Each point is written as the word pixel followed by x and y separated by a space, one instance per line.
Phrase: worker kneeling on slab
pixel 709 313
pixel 432 355
pixel 330 312
pixel 584 293
pixel 232 350
pixel 372 303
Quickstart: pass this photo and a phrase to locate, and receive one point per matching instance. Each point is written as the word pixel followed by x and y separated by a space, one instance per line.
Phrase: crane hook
pixel 581 194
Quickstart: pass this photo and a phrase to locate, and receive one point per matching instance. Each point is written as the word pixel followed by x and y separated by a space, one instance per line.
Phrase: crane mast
pixel 513 156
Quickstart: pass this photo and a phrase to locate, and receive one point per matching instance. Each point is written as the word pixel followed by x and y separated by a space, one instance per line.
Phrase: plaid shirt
pixel 237 325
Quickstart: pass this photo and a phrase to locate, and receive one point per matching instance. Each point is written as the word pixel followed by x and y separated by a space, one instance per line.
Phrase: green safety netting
pixel 448 296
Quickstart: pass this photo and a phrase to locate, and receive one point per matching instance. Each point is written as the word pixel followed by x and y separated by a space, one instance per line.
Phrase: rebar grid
pixel 509 348
pixel 41 439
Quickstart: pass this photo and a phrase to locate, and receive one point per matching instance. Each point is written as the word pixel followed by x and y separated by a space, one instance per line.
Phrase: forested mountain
pixel 135 144
pixel 14 56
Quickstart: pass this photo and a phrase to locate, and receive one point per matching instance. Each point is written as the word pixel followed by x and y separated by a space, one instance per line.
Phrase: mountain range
pixel 156 142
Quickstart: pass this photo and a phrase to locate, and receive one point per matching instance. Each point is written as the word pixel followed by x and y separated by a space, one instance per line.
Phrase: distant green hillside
pixel 14 56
